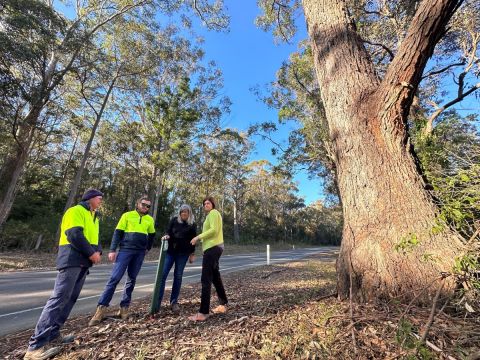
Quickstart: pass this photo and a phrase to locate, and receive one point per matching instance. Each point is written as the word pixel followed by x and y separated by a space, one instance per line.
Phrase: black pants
pixel 211 274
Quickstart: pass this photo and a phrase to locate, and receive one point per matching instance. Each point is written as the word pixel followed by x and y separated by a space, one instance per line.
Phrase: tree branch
pixel 384 47
pixel 200 14
pixel 404 73
pixel 461 95
pixel 431 73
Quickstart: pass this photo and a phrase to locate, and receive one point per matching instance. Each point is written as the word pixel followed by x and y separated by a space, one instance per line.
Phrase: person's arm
pixel 214 226
pixel 214 219
pixel 119 233
pixel 171 224
pixel 75 236
pixel 151 236
pixel 117 237
pixel 169 233
pixel 77 239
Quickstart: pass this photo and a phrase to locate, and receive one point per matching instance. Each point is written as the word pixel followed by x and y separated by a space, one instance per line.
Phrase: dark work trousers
pixel 127 260
pixel 68 284
pixel 211 274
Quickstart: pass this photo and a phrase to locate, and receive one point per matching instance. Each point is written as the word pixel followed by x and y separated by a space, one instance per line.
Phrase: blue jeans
pixel 68 284
pixel 127 260
pixel 180 260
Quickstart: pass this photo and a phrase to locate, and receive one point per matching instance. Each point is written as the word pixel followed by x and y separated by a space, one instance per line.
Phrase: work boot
pixel 99 315
pixel 63 340
pixel 123 313
pixel 175 308
pixel 43 353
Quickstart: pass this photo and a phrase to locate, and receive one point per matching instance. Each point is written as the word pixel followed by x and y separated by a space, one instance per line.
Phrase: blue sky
pixel 248 57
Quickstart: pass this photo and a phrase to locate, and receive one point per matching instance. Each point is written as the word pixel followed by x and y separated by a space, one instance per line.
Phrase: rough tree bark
pixel 14 164
pixel 385 203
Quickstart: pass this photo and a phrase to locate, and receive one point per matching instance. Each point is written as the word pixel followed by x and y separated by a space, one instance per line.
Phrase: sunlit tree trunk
pixel 385 204
pixel 158 194
pixel 14 164
pixel 78 176
pixel 236 231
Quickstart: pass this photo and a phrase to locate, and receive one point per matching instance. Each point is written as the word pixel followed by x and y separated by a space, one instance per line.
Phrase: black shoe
pixel 175 308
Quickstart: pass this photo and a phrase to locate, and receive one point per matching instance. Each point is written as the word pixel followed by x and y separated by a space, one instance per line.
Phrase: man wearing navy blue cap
pixel 78 250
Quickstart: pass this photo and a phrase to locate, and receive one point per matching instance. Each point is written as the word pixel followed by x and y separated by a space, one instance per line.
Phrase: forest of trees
pixel 105 95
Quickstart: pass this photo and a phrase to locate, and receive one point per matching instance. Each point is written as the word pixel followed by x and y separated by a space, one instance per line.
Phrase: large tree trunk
pixel 389 246
pixel 14 164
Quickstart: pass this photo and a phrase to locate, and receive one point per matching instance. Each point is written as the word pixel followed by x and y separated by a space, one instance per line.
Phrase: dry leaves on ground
pixel 283 311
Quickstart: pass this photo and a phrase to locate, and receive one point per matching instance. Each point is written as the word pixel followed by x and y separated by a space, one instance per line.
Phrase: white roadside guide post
pixel 268 254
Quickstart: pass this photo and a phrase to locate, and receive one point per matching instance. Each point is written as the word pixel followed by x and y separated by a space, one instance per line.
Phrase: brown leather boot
pixel 43 353
pixel 123 313
pixel 99 315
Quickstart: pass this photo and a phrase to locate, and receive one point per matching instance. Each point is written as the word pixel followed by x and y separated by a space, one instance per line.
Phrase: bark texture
pixel 14 164
pixel 386 207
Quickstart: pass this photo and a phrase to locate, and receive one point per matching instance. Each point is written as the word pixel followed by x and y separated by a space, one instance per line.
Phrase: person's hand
pixel 194 240
pixel 165 237
pixel 95 257
pixel 191 258
pixel 112 256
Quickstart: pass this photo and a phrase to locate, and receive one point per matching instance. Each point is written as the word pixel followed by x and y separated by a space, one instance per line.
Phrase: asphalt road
pixel 23 294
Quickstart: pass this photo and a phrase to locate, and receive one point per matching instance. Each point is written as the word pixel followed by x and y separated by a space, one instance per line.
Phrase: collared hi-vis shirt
pixel 79 237
pixel 134 232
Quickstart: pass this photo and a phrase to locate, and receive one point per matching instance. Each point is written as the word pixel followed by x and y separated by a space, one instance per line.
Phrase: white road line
pixel 136 287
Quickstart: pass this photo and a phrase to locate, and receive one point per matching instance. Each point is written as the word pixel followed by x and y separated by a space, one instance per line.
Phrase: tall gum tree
pixel 391 244
pixel 61 42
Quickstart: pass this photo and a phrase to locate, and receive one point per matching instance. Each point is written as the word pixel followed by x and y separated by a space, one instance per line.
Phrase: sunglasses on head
pixel 145 205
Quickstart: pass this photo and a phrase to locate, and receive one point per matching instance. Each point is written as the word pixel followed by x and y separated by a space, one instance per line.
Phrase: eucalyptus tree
pixel 170 121
pixel 222 167
pixel 41 47
pixel 394 243
pixel 128 53
pixel 237 151
pixel 270 202
pixel 215 166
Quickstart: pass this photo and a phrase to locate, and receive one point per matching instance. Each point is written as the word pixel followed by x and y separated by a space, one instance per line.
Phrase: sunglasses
pixel 145 205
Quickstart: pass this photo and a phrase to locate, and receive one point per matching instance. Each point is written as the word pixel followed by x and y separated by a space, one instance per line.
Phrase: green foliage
pixel 467 263
pixel 29 31
pixel 450 158
pixel 278 17
pixel 405 338
pixel 407 243
pixel 404 333
pixel 296 96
